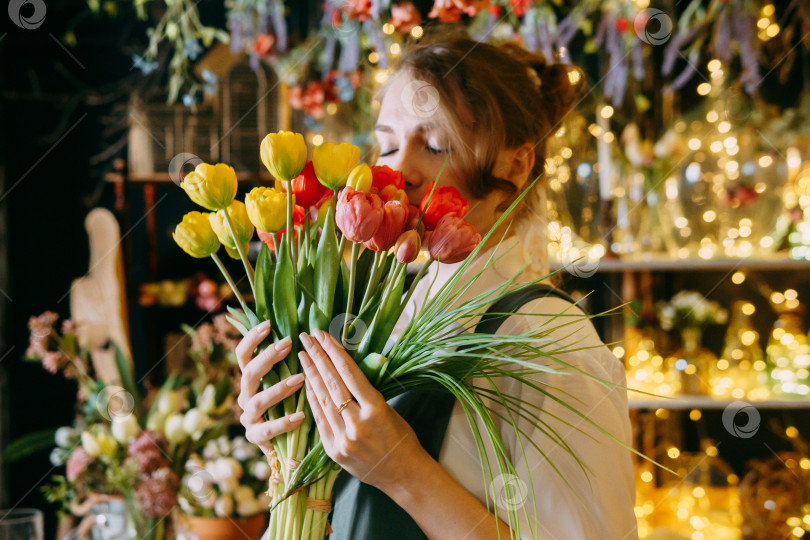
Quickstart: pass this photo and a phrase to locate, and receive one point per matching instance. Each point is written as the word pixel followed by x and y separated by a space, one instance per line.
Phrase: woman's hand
pixel 368 437
pixel 256 404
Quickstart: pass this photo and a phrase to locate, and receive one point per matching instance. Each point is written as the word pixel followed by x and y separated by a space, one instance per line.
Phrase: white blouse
pixel 606 510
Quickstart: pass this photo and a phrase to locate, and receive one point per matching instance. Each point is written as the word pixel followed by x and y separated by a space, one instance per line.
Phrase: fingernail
pixel 282 343
pixel 264 327
pixel 295 380
pixel 297 416
pixel 304 338
pixel 303 357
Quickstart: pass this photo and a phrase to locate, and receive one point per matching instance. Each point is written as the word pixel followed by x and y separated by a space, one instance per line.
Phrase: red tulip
pixel 383 175
pixel 407 246
pixel 395 217
pixel 358 214
pixel 452 240
pixel 308 191
pixel 298 221
pixel 445 200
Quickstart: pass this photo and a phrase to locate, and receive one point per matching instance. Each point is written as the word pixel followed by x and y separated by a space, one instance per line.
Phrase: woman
pixel 491 108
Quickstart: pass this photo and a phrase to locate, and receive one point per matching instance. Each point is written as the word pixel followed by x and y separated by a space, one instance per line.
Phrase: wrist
pixel 407 474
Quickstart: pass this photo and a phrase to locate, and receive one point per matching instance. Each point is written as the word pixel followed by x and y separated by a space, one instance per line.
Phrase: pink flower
pixel 395 217
pixel 407 247
pixel 359 214
pixel 148 451
pixel 405 16
pixel 77 463
pixel 358 9
pixel 452 240
pixel 156 493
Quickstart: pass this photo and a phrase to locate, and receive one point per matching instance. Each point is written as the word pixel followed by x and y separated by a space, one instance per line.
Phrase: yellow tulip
pixel 334 162
pixel 360 178
pixel 267 208
pixel 233 254
pixel 211 186
pixel 195 235
pixel 284 154
pixel 242 226
pixel 107 444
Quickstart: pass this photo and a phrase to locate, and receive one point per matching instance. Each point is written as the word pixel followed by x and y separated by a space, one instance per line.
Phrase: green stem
pixel 242 254
pixel 229 279
pixel 306 234
pixel 349 300
pixel 376 268
pixel 395 277
pixel 290 226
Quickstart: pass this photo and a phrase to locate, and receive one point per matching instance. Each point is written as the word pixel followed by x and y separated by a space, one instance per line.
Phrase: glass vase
pixel 740 371
pixel 693 362
pixel 789 357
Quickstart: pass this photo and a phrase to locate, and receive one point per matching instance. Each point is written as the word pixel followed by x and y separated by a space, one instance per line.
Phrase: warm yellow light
pixel 772 30
pixel 388 28
pixel 574 77
pixel 704 88
pixel 646 476
pixel 714 65
pixel 331 108
pixel 768 10
pixel 618 352
pixel 712 116
pixel 395 49
pixel 694 415
pixel 417 32
pixel 673 452
pixel 381 77
pixel 317 139
pixel 748 308
pixel 373 57
pixel 606 112
pixel 792 432
pixel 791 294
pixel 737 278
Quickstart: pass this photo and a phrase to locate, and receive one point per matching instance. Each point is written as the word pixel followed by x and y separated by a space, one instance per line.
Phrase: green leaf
pixel 263 282
pixel 28 444
pixel 125 373
pixel 240 316
pixel 326 266
pixel 237 324
pixel 285 308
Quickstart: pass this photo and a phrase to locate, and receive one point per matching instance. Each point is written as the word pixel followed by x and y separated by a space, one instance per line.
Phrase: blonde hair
pixel 504 96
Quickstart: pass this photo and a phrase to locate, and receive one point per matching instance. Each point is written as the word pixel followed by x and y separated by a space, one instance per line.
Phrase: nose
pixel 412 174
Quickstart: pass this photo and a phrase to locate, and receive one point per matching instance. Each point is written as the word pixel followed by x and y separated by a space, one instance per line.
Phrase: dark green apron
pixel 363 512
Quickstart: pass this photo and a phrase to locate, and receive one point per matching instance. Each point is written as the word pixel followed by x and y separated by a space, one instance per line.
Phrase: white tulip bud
pixel 224 506
pixel 64 436
pixel 207 402
pixel 125 427
pixel 175 430
pixel 90 444
pixel 169 402
pixel 156 422
pixel 261 470
pixel 243 493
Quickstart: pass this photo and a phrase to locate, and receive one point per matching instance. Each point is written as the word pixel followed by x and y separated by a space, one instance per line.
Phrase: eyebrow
pixel 421 127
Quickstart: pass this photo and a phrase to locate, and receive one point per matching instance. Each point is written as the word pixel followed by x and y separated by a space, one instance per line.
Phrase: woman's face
pixel 412 141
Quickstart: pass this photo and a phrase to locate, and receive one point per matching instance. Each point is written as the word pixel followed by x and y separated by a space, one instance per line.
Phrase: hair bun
pixel 556 83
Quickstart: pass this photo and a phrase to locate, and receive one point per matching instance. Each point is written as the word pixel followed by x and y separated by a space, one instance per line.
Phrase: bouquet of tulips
pixel 302 281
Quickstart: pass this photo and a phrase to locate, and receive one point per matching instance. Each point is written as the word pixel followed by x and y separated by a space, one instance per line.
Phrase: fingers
pixel 320 393
pixel 332 382
pixel 248 344
pixel 258 404
pixel 257 368
pixel 327 434
pixel 348 370
pixel 261 433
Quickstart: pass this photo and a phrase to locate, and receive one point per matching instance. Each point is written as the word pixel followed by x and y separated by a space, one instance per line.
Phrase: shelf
pixel 663 262
pixel 706 402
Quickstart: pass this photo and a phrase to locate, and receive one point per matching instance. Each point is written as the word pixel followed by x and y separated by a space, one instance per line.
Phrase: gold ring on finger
pixel 343 405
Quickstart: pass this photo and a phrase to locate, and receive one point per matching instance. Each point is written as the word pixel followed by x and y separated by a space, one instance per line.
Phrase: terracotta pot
pixel 227 528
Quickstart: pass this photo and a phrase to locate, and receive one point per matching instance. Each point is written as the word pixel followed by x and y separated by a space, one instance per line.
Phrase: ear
pixel 522 163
